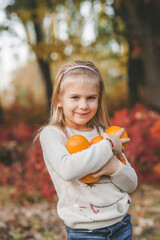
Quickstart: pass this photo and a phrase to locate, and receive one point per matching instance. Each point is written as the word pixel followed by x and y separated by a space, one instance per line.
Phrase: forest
pixel 122 37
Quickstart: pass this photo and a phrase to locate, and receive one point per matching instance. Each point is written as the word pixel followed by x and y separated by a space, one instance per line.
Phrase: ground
pixel 39 221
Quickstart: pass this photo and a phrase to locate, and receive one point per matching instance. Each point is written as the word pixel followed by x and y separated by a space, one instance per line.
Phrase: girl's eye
pixel 91 98
pixel 75 97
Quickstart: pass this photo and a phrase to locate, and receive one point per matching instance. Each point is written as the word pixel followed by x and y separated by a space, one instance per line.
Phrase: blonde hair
pixel 101 118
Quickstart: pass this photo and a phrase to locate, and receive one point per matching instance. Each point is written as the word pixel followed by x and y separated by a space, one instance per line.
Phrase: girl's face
pixel 79 102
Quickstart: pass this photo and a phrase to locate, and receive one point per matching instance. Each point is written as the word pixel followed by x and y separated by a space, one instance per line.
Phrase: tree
pixel 142 32
pixel 48 42
pixel 134 21
pixel 1 114
pixel 33 12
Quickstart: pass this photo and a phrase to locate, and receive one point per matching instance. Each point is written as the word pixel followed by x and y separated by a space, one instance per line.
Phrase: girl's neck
pixel 82 129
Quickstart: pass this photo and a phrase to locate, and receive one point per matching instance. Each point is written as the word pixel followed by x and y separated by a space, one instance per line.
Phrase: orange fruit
pixel 114 129
pixel 88 179
pixel 96 139
pixel 77 143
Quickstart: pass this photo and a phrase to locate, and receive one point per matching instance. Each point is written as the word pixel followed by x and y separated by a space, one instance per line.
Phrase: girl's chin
pixel 79 125
pixel 82 122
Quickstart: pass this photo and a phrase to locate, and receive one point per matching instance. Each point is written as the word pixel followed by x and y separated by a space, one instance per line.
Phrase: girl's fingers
pixel 97 174
pixel 125 140
pixel 120 132
pixel 105 135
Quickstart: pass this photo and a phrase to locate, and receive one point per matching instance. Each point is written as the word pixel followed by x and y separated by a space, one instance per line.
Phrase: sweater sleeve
pixel 72 166
pixel 125 177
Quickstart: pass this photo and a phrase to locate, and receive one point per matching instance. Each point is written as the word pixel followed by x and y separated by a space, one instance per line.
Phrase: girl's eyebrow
pixel 93 95
pixel 77 94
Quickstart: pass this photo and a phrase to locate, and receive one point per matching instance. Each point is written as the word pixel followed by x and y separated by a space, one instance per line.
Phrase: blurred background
pixel 122 37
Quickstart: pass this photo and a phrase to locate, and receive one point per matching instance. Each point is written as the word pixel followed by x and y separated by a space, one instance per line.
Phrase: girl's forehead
pixel 79 80
pixel 81 88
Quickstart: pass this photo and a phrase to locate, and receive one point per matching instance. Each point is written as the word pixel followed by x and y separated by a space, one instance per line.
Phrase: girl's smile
pixel 79 102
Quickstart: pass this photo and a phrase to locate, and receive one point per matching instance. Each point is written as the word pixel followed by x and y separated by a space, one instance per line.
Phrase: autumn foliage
pixel 143 152
pixel 22 164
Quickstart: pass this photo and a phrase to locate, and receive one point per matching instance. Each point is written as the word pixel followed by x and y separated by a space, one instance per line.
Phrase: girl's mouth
pixel 82 114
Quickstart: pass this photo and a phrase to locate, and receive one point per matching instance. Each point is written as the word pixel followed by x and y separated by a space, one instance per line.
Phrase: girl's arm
pixel 72 166
pixel 123 176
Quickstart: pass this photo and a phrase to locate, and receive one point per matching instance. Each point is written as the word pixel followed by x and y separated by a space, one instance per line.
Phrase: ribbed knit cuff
pixel 120 170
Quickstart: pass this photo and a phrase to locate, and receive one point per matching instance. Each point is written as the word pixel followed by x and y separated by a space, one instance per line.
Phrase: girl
pixel 99 211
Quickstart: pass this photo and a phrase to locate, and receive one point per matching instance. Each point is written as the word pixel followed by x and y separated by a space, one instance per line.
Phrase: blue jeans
pixel 119 231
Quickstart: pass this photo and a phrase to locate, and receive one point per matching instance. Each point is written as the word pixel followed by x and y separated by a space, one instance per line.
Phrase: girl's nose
pixel 83 104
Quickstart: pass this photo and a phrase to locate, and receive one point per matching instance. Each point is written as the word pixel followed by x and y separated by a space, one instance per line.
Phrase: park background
pixel 122 37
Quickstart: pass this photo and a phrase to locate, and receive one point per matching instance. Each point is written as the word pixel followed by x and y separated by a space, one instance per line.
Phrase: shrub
pixel 143 127
pixel 22 165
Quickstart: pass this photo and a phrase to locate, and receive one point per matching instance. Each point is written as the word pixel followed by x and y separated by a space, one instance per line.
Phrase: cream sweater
pixel 80 205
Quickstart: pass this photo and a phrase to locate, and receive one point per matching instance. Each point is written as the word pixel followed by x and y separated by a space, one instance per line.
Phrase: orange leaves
pixel 155 130
pixel 156 168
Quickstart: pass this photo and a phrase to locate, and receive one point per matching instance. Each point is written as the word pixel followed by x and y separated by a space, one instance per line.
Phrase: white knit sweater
pixel 80 205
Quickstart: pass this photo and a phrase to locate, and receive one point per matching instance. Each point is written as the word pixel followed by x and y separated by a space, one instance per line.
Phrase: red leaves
pixel 143 127
pixel 22 165
pixel 19 132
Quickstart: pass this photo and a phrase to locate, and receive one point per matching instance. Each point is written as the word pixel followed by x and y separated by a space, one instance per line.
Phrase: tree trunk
pixel 135 72
pixel 141 28
pixel 152 72
pixel 44 65
pixel 1 115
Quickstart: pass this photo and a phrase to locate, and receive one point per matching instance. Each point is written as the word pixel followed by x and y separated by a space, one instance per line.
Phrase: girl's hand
pixel 117 141
pixel 109 168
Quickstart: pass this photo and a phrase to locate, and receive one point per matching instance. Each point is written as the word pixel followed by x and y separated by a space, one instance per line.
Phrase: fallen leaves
pixel 145 212
pixel 39 221
pixel 35 221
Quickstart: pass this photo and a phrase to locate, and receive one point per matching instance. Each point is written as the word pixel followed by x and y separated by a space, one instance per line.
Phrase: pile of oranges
pixel 77 143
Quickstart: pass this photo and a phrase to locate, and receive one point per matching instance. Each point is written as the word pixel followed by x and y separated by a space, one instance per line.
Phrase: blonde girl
pixel 78 106
pixel 101 118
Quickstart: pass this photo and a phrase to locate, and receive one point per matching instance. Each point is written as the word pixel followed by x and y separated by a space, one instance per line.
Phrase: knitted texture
pixel 81 205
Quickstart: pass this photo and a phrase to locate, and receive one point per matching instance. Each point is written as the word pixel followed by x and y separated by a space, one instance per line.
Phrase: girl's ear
pixel 59 104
